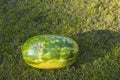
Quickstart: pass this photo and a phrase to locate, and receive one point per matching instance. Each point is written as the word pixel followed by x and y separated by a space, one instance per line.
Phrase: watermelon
pixel 50 51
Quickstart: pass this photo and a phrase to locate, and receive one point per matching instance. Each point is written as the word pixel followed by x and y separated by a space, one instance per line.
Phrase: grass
pixel 93 24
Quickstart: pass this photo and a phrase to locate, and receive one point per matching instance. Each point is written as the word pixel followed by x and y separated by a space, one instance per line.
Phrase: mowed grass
pixel 93 24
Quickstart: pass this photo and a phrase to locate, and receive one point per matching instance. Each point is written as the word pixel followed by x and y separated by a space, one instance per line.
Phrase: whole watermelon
pixel 50 51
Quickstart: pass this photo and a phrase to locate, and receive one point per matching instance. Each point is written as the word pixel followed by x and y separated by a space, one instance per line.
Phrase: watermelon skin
pixel 50 51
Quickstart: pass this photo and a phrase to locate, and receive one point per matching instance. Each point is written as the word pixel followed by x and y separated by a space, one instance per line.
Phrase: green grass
pixel 93 24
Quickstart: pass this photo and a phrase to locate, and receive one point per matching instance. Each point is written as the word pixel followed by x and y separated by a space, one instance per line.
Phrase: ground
pixel 93 24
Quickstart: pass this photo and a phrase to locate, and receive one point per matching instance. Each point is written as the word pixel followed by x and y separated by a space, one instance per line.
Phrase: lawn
pixel 93 24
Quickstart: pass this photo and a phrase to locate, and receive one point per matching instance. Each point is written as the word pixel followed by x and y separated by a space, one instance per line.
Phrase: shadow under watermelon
pixel 95 44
